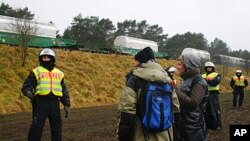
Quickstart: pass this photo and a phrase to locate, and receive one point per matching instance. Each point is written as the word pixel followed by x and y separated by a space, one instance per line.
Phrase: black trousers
pixel 215 95
pixel 43 108
pixel 238 93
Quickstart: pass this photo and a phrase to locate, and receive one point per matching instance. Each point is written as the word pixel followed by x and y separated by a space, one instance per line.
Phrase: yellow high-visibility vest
pixel 211 76
pixel 174 83
pixel 239 81
pixel 48 81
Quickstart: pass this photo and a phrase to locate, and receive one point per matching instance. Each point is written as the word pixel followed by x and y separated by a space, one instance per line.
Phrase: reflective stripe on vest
pixel 239 81
pixel 211 76
pixel 48 81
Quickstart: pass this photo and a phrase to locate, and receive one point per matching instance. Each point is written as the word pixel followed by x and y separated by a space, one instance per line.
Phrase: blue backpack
pixel 154 107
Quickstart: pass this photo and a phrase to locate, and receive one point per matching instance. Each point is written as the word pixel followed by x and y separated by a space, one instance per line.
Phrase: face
pixel 137 63
pixel 238 73
pixel 180 67
pixel 209 69
pixel 46 58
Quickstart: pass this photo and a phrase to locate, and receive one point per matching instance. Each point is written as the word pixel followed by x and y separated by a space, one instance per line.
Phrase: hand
pixel 29 94
pixel 67 110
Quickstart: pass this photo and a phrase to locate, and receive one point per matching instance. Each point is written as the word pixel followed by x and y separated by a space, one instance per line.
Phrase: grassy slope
pixel 92 79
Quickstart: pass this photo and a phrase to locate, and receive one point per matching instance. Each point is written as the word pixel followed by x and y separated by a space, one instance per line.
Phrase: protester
pixel 191 95
pixel 129 124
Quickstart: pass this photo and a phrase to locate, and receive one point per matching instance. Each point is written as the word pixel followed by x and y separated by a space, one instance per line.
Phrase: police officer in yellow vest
pixel 171 71
pixel 213 79
pixel 238 84
pixel 45 88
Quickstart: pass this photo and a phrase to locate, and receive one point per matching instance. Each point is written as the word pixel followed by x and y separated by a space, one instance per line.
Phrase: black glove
pixel 126 127
pixel 66 109
pixel 29 94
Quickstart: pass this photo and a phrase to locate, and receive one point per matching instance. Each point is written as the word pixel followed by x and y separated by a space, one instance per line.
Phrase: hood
pixel 153 72
pixel 191 61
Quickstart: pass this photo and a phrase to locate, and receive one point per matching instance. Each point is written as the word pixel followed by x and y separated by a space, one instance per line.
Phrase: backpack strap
pixel 140 103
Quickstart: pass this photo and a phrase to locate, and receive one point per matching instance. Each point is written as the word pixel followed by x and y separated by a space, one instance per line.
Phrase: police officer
pixel 176 130
pixel 213 79
pixel 45 87
pixel 171 71
pixel 238 84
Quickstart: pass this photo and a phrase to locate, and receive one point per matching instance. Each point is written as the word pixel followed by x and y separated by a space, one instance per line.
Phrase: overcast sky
pixel 228 20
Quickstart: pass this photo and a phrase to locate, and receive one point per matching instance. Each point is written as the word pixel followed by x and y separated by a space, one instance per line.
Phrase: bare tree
pixel 26 30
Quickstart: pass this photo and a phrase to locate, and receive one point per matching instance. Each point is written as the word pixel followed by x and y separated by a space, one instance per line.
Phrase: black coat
pixel 191 124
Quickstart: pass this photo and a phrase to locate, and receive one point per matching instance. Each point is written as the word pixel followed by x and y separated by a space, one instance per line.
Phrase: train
pixel 45 35
pixel 203 54
pixel 131 46
pixel 217 58
pixel 229 60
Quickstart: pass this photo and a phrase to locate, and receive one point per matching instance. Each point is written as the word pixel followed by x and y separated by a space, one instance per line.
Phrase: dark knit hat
pixel 144 55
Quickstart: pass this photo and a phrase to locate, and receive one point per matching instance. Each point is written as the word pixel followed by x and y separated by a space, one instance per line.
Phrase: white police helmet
pixel 209 64
pixel 172 69
pixel 47 51
pixel 238 71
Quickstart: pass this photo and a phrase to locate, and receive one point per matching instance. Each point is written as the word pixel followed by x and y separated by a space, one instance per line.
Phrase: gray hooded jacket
pixel 192 124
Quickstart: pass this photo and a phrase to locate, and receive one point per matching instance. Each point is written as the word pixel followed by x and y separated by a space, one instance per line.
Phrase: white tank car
pixel 134 43
pixel 8 24
pixel 203 54
pixel 229 60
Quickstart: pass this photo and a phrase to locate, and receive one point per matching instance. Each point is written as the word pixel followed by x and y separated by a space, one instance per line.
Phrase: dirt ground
pixel 99 123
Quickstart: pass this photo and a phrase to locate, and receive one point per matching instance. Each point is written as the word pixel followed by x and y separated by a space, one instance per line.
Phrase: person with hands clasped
pixel 45 87
pixel 238 84
pixel 213 79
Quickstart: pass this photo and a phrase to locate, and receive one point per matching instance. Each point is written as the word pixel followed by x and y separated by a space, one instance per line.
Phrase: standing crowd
pixel 152 106
pixel 195 106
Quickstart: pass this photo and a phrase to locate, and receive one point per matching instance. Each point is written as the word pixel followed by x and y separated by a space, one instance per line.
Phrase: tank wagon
pixel 131 45
pixel 228 60
pixel 203 54
pixel 45 34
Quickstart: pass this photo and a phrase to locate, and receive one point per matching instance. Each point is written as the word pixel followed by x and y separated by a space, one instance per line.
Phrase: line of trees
pixel 96 33
pixel 93 32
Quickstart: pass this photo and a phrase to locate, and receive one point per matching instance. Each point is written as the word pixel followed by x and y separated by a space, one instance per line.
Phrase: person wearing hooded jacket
pixel 45 87
pixel 238 84
pixel 191 125
pixel 213 79
pixel 129 125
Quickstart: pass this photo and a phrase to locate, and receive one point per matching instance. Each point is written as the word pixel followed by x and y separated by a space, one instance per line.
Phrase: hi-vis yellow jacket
pixel 239 81
pixel 48 81
pixel 211 76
